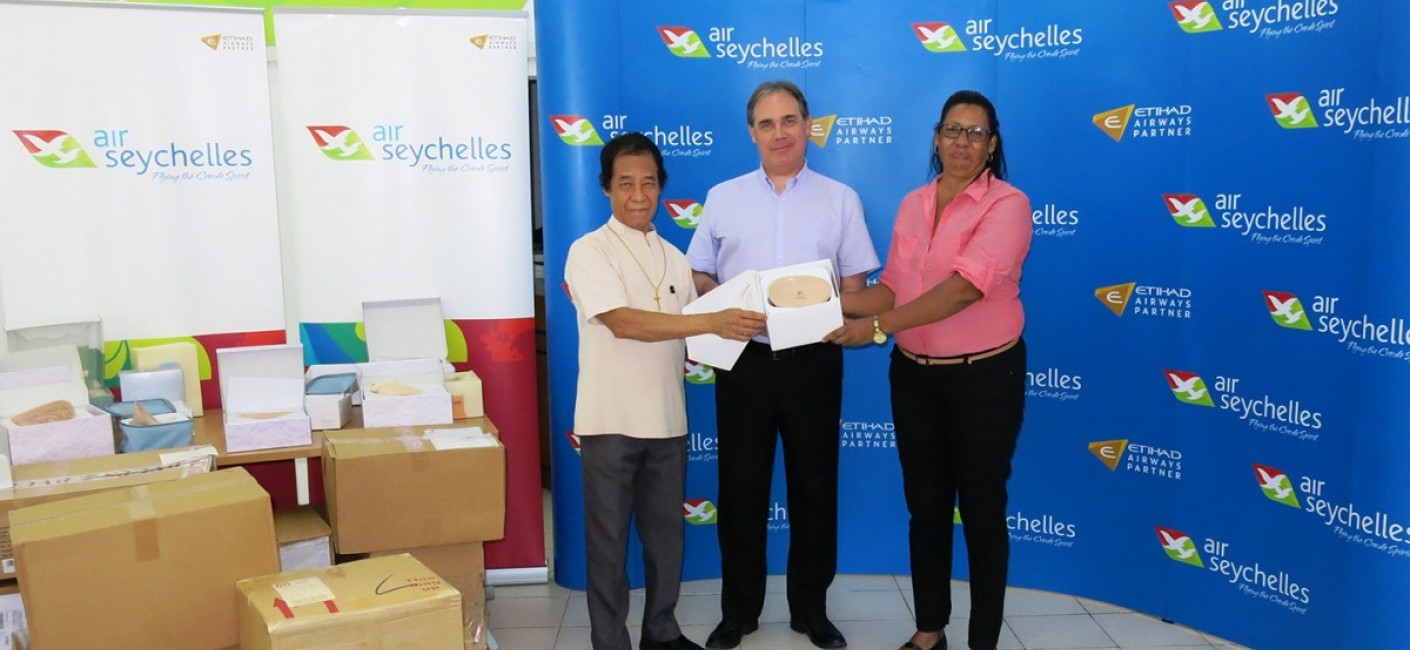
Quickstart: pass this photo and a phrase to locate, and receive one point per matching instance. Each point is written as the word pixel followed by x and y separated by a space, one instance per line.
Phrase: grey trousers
pixel 623 476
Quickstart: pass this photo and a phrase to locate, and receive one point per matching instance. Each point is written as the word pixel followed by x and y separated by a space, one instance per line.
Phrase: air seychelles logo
pixel 1051 41
pixel 575 442
pixel 1054 384
pixel 1146 122
pixel 1195 16
pixel 700 512
pixel 1290 417
pixel 575 130
pixel 397 143
pixel 1251 579
pixel 1044 529
pixel 339 142
pixel 121 149
pixel 1263 224
pixel 698 373
pixel 762 53
pixel 685 212
pixel 1368 527
pixel 701 448
pixel 938 37
pixel 54 149
pixel 1364 334
pixel 1147 300
pixel 1052 220
pixel 1139 458
pixel 1372 119
pixel 1266 18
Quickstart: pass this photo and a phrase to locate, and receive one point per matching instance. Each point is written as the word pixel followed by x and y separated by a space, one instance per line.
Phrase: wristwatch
pixel 877 336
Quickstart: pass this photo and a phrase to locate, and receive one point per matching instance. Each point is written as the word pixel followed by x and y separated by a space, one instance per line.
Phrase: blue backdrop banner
pixel 1216 343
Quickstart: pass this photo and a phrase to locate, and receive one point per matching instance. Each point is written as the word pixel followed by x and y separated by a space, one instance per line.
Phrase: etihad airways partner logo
pixel 756 54
pixel 1146 122
pixel 851 130
pixel 229 43
pixel 1147 300
pixel 1139 458
pixel 55 149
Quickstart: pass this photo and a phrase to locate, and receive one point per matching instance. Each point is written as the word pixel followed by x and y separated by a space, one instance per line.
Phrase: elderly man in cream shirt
pixel 629 285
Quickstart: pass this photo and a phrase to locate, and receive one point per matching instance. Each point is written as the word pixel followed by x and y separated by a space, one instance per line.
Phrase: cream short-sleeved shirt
pixel 627 387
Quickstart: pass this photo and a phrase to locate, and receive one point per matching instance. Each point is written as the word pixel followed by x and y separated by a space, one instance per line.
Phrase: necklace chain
pixel 655 286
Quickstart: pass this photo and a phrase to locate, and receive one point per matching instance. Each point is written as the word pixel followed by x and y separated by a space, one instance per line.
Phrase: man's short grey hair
pixel 771 87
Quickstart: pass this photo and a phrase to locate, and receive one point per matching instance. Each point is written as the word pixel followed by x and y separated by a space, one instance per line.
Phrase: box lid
pixel 341 383
pixel 28 336
pixel 29 378
pixel 405 329
pixel 261 378
pixel 119 507
pixel 396 585
pixel 298 524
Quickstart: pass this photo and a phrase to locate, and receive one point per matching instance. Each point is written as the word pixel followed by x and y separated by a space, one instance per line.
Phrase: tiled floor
pixel 874 612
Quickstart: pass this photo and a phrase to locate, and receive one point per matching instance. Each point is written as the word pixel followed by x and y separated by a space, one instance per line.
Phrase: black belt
pixel 960 359
pixel 755 347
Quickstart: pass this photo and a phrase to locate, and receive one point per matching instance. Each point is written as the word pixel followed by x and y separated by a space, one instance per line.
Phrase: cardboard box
pixel 467 396
pixel 390 489
pixel 258 381
pixel 45 482
pixel 463 566
pixel 143 567
pixel 32 378
pixel 86 335
pixel 387 602
pixel 406 342
pixel 305 540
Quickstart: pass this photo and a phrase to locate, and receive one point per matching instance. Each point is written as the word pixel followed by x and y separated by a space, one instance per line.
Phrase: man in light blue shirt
pixel 780 214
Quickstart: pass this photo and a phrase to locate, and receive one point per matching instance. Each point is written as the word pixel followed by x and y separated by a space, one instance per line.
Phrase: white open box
pixel 406 342
pixel 32 378
pixel 261 380
pixel 788 327
pixel 329 400
pixel 86 334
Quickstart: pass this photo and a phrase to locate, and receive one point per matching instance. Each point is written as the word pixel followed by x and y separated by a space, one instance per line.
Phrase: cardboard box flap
pixel 396 440
pixel 405 329
pixel 29 378
pixel 122 506
pixel 261 378
pixel 119 470
pixel 312 597
pixel 298 524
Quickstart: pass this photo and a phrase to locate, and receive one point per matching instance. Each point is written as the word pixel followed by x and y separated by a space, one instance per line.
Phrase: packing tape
pixel 146 540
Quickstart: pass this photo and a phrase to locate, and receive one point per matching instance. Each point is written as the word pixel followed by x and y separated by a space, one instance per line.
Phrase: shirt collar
pixel 792 182
pixel 623 229
pixel 976 189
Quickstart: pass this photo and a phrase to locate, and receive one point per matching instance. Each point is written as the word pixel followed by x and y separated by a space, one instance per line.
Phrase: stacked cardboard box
pixel 433 493
pixel 388 602
pixel 150 566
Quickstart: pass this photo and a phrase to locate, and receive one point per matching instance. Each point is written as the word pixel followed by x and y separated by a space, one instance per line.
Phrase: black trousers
pixel 956 429
pixel 796 394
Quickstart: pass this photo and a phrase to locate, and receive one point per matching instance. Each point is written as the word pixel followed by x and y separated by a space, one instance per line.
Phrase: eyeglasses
pixel 973 134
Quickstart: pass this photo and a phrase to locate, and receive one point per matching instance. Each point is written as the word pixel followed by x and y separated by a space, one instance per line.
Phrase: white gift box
pixel 86 334
pixel 319 370
pixel 328 399
pixel 32 378
pixel 259 380
pixel 406 342
pixel 788 327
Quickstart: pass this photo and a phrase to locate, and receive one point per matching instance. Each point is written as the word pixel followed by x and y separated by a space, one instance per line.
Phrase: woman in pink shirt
pixel 949 294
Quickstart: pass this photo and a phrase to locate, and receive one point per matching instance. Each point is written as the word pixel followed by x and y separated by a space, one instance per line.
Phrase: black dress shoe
pixel 823 633
pixel 679 643
pixel 942 644
pixel 728 634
